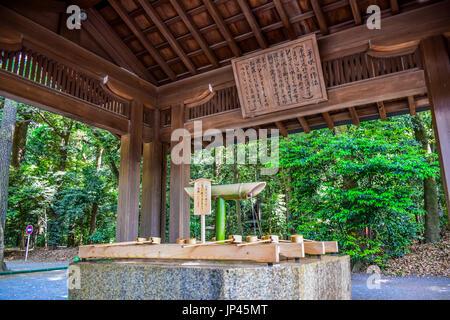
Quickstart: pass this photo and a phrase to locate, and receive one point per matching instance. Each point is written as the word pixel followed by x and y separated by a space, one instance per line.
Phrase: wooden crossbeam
pixel 121 11
pixel 111 43
pixel 285 19
pixel 223 29
pixel 282 128
pixel 320 17
pixel 355 11
pixel 382 110
pixel 354 115
pixel 195 33
pixel 258 252
pixel 328 120
pixel 394 6
pixel 412 106
pixel 304 124
pixel 154 16
pixel 243 4
pixel 292 250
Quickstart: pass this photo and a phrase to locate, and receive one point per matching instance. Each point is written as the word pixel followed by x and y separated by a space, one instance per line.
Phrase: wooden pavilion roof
pixel 163 41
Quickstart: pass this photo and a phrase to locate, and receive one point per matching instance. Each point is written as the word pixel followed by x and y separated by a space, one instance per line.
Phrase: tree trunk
pixel 6 139
pixel 430 195
pixel 20 141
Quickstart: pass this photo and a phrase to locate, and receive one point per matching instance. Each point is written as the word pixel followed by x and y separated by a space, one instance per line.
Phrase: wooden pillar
pixel 179 219
pixel 129 177
pixel 151 183
pixel 165 150
pixel 437 73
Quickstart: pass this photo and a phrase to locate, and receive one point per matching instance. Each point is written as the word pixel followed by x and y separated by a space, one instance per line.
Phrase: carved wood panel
pixel 279 78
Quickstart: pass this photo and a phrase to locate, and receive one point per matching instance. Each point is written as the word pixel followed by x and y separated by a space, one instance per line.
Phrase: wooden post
pixel 179 219
pixel 165 151
pixel 151 183
pixel 437 74
pixel 129 177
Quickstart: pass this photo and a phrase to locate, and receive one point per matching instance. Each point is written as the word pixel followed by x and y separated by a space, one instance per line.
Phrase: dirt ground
pixel 431 259
pixel 42 255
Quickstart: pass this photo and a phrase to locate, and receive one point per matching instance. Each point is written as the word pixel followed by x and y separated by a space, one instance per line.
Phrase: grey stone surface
pixel 311 278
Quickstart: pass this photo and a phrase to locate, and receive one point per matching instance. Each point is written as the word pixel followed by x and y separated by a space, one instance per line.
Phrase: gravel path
pixel 49 285
pixel 52 285
pixel 401 288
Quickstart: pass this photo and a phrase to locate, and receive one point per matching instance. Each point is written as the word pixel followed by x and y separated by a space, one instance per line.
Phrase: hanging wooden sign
pixel 280 78
pixel 202 196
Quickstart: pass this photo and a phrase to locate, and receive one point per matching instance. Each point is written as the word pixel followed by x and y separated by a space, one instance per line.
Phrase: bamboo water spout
pixel 237 191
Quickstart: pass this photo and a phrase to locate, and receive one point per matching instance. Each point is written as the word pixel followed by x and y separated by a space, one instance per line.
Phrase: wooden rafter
pixel 328 120
pixel 354 115
pixel 243 4
pixel 168 35
pixel 355 11
pixel 412 106
pixel 285 19
pixel 195 33
pixel 394 6
pixel 111 43
pixel 319 16
pixel 304 124
pixel 213 11
pixel 381 110
pixel 117 6
pixel 282 128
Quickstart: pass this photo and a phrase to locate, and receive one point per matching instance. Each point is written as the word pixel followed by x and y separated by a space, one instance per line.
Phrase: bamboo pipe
pixel 235 191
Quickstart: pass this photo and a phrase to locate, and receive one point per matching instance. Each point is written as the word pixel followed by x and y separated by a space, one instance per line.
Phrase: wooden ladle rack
pixel 269 249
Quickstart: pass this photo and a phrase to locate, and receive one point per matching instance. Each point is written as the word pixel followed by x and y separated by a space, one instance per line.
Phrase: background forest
pixel 374 188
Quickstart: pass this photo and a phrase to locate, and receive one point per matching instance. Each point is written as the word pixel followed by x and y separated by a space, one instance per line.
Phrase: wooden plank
pixel 320 17
pixel 331 246
pixel 168 35
pixel 258 253
pixel 381 110
pixel 389 87
pixel 120 10
pixel 354 115
pixel 150 225
pixel 328 120
pixel 285 19
pixel 195 33
pixel 217 17
pixel 437 73
pixel 243 4
pixel 129 177
pixel 304 124
pixel 179 218
pixel 314 247
pixel 292 250
pixel 412 106
pixel 28 92
pixel 113 45
pixel 355 11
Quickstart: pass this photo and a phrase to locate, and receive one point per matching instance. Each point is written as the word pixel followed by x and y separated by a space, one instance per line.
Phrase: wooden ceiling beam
pixel 381 110
pixel 217 17
pixel 285 19
pixel 328 120
pixel 390 87
pixel 111 43
pixel 354 115
pixel 319 16
pixel 195 33
pixel 355 11
pixel 120 10
pixel 412 106
pixel 394 6
pixel 243 4
pixel 155 18
pixel 304 124
pixel 282 128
